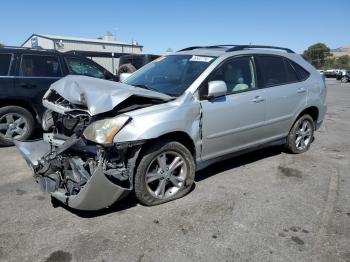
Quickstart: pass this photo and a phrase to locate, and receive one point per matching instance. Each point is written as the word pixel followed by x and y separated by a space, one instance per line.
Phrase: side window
pixel 302 73
pixel 40 66
pixel 292 76
pixel 238 74
pixel 5 61
pixel 273 70
pixel 81 67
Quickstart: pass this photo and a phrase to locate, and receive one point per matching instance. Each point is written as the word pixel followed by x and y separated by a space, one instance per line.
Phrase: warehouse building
pixel 103 50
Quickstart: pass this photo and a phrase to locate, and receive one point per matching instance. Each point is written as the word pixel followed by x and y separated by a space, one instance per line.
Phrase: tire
pixel 20 119
pixel 345 79
pixel 183 175
pixel 304 134
pixel 126 68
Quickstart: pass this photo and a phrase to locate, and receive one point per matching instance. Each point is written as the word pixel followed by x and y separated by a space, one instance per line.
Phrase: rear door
pixel 6 80
pixel 235 121
pixel 285 94
pixel 36 73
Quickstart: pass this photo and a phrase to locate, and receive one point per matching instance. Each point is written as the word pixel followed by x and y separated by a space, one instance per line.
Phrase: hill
pixel 341 51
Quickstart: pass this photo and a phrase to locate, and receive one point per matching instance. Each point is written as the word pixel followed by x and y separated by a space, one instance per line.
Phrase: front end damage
pixel 82 176
pixel 84 173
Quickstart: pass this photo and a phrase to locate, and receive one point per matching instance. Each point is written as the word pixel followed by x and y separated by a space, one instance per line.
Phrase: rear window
pixel 5 61
pixel 302 73
pixel 273 70
pixel 277 70
pixel 40 66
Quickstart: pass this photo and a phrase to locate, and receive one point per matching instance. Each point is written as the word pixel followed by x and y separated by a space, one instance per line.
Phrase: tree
pixel 1 45
pixel 318 54
pixel 342 62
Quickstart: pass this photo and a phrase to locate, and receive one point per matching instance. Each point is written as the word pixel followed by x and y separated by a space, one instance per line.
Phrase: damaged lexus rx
pixel 178 114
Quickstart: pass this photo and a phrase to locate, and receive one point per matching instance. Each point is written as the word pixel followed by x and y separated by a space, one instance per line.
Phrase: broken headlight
pixel 103 131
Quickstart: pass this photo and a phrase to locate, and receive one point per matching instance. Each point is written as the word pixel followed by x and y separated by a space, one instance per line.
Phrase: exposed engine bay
pixel 65 164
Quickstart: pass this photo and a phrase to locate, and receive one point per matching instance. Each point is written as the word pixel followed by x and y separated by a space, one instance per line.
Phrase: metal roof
pixel 81 39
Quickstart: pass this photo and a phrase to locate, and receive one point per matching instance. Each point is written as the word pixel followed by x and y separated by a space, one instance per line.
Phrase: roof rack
pixel 210 46
pixel 190 48
pixel 242 47
pixel 28 48
pixel 239 47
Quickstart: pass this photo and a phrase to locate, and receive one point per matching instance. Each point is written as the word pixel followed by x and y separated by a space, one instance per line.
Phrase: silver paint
pixel 218 127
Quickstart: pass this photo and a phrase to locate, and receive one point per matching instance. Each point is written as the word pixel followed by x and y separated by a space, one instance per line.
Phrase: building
pixel 103 50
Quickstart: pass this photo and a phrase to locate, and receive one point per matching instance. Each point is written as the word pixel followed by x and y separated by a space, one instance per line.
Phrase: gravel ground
pixel 263 206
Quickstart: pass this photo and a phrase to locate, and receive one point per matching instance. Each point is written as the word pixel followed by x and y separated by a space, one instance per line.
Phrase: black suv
pixel 131 62
pixel 25 75
pixel 343 76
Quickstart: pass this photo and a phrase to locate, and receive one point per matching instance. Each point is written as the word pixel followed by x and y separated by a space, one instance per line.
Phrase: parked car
pixel 25 76
pixel 343 76
pixel 131 62
pixel 330 73
pixel 176 115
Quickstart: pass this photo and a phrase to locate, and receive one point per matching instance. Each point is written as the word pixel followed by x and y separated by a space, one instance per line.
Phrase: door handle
pixel 27 86
pixel 301 90
pixel 258 99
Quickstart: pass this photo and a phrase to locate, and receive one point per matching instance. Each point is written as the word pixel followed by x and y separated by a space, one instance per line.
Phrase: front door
pixel 235 121
pixel 36 74
pixel 6 78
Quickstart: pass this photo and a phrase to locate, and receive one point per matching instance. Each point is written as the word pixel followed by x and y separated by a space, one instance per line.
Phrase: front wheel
pixel 301 135
pixel 165 172
pixel 345 79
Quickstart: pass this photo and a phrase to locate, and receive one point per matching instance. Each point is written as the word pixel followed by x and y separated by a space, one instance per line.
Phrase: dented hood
pixel 99 95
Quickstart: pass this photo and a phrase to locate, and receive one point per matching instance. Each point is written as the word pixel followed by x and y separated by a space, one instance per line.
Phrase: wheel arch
pixel 21 103
pixel 313 111
pixel 178 136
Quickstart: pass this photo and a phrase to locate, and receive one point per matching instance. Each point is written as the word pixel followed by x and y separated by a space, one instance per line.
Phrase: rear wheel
pixel 165 172
pixel 15 123
pixel 301 135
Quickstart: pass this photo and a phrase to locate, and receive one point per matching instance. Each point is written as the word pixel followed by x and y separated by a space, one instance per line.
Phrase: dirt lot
pixel 265 206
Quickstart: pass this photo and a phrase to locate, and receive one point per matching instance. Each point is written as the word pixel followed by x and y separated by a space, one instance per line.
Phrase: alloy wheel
pixel 13 126
pixel 166 174
pixel 344 79
pixel 303 135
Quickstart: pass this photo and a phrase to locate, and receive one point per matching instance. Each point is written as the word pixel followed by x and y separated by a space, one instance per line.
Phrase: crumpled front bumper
pixel 99 192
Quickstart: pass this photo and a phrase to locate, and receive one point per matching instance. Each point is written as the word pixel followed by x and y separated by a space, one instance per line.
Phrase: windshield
pixel 170 75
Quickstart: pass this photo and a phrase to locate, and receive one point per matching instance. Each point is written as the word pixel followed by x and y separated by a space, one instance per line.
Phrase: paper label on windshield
pixel 197 58
pixel 159 59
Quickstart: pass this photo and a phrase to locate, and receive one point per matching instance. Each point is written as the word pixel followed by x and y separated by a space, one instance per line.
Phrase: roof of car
pixel 220 50
pixel 15 49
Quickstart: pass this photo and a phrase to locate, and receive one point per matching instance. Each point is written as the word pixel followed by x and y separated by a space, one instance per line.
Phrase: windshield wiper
pixel 152 89
pixel 146 87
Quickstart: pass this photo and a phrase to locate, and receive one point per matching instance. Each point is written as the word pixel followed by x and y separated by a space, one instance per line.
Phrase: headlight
pixel 103 131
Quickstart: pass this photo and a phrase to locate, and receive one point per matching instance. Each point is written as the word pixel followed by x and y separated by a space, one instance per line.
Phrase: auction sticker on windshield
pixel 159 59
pixel 206 59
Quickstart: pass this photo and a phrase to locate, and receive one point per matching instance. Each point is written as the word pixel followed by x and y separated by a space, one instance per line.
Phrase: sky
pixel 161 24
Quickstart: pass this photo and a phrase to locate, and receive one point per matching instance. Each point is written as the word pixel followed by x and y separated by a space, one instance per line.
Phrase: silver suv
pixel 178 114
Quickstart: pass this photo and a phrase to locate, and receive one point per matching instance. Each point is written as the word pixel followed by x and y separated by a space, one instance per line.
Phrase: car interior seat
pixel 234 79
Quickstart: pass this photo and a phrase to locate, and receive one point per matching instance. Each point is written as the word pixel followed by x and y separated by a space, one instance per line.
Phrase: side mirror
pixel 123 76
pixel 216 88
